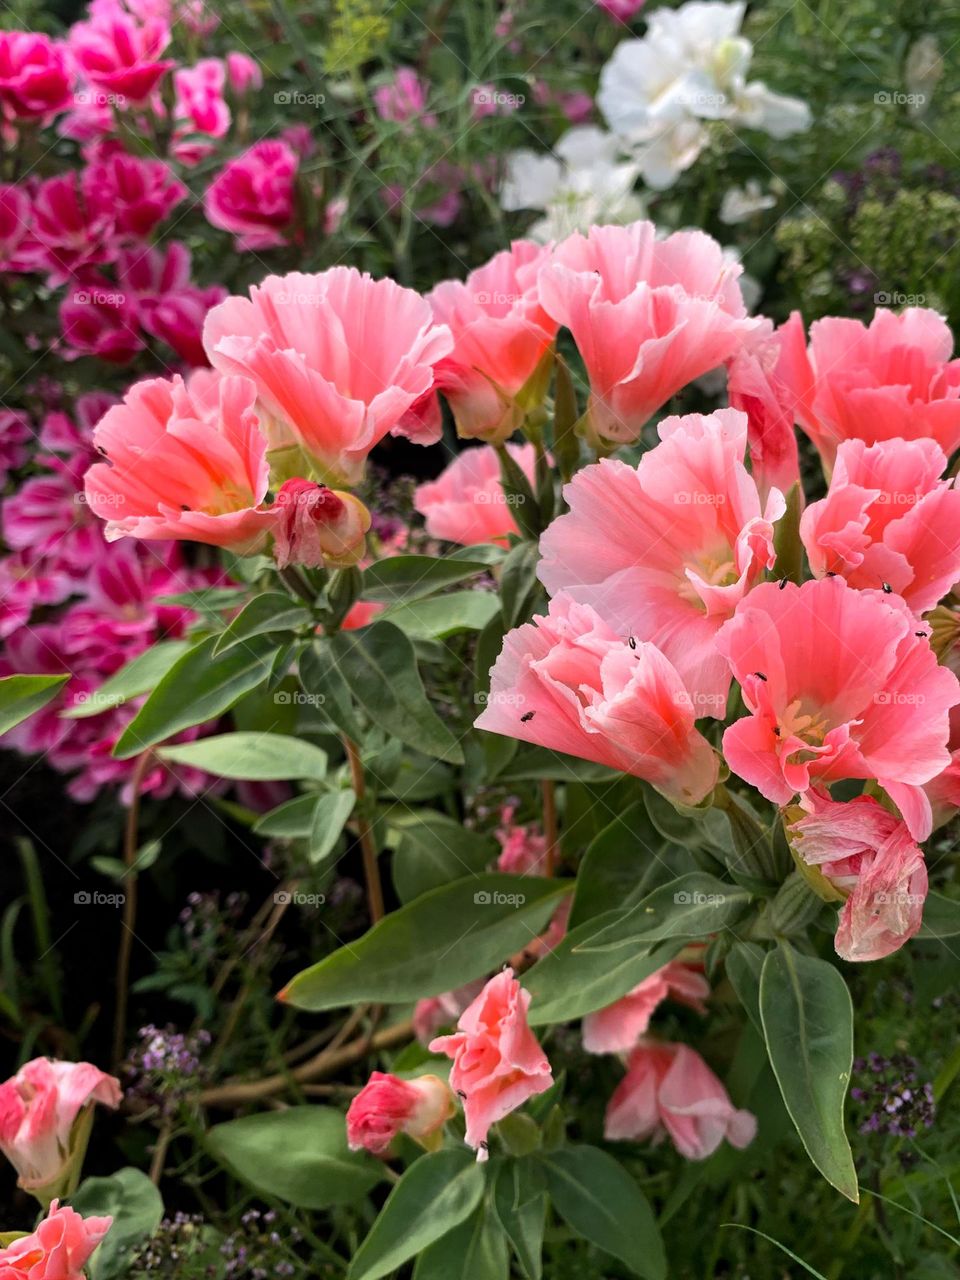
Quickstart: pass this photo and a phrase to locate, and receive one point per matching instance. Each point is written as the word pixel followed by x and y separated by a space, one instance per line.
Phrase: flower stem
pixel 371 868
pixel 549 795
pixel 129 919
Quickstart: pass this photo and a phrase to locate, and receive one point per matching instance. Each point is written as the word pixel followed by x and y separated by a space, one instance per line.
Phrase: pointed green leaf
pixel 21 696
pixel 807 1019
pixel 330 816
pixel 692 906
pixel 139 676
pixel 412 577
pixel 263 615
pixel 251 757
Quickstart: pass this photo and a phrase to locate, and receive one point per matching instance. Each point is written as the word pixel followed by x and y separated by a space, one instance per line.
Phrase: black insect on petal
pixel 887 588
pixel 527 715
pixel 760 676
pixel 632 642
pixel 783 583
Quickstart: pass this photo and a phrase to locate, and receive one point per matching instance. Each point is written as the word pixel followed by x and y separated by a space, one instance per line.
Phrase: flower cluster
pixel 891 1096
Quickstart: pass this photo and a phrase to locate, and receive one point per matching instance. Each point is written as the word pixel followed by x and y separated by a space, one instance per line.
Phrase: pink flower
pixel 670 1091
pixel 243 73
pixel 47 517
pixel 62 434
pixel 501 334
pixel 618 1027
pixel 522 849
pixel 254 196
pixel 35 76
pixel 666 551
pixel 838 685
pixel 168 305
pixel 760 381
pixel 403 99
pixel 466 502
pixel 200 104
pixel 39 1111
pixel 622 10
pixel 70 232
pixel 17 248
pixel 100 319
pixel 872 383
pixel 430 1015
pixel 26 582
pixel 317 526
pixel 497 1062
pixel 120 54
pixel 183 461
pixel 647 315
pixel 338 358
pixel 14 434
pixel 387 1105
pixel 888 518
pixel 568 682
pixel 139 193
pixel 870 859
pixel 58 1249
pixel 943 791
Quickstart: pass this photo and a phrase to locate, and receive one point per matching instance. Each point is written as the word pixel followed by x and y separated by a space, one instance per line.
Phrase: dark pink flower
pixel 35 75
pixel 200 105
pixel 70 230
pixel 14 433
pixel 254 196
pixel 120 54
pixel 387 1105
pixel 99 318
pixel 140 193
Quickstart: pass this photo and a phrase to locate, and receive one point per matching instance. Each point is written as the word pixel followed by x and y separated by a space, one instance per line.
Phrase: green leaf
pixel 134 1203
pixel 807 1020
pixel 614 864
pixel 379 665
pixel 412 577
pixel 436 1194
pixel 251 757
pixel 692 906
pixel 596 1196
pixel 520 589
pixel 299 1155
pixel 519 493
pixel 439 942
pixel 21 696
pixel 139 676
pixel 522 1211
pixel 330 816
pixel 941 917
pixel 744 965
pixel 568 983
pixel 432 850
pixel 198 687
pixel 326 688
pixel 443 616
pixel 263 615
pixel 292 820
pixel 475 1250
pixel 532 764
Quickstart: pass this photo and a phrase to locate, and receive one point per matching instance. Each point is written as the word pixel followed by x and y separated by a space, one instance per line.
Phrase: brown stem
pixel 549 795
pixel 160 1153
pixel 129 919
pixel 371 869
pixel 239 1092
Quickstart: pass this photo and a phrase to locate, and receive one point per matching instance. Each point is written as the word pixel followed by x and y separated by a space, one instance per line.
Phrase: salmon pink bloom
pixel 497 1062
pixel 868 859
pixel 670 1091
pixel 618 1027
pixel 501 335
pixel 387 1105
pixel 761 382
pixel 431 1014
pixel 466 502
pixel 891 378
pixel 59 1249
pixel 647 315
pixel 35 76
pixel 317 526
pixel 338 358
pixel 42 1113
pixel 888 518
pixel 665 551
pixel 183 460
pixel 839 684
pixel 522 848
pixel 568 682
pixel 943 791
pixel 120 54
pixel 253 196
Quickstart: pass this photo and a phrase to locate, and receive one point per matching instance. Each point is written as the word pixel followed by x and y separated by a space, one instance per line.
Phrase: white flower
pixel 584 182
pixel 691 66
pixel 741 203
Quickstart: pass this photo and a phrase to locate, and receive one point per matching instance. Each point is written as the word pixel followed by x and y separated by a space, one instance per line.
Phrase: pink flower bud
pixel 318 526
pixel 387 1105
